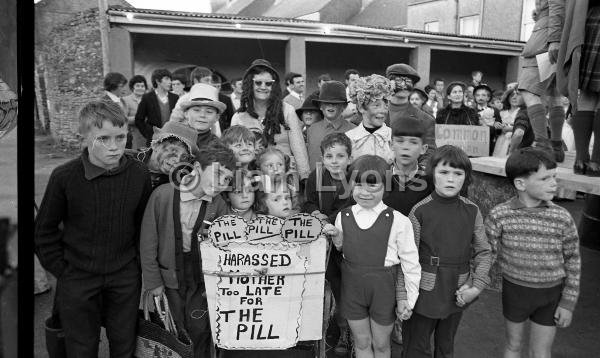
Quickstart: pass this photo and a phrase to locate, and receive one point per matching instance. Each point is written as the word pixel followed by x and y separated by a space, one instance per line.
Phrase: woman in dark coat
pixel 456 112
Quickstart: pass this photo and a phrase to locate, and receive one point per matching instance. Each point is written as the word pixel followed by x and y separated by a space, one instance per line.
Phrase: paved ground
pixel 481 333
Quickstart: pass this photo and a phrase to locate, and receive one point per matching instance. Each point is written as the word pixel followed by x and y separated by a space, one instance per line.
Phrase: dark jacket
pixel 569 54
pixel 148 113
pixel 463 115
pixel 404 195
pixel 325 197
pixel 225 118
pixel 522 121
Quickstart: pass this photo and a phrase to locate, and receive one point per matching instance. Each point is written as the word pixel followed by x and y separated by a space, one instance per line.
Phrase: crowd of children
pixel 411 251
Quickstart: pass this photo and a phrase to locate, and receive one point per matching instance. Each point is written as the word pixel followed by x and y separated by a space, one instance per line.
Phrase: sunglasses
pixel 258 83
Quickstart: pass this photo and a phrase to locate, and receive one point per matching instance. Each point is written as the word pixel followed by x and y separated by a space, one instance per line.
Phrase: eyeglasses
pixel 401 79
pixel 106 141
pixel 258 83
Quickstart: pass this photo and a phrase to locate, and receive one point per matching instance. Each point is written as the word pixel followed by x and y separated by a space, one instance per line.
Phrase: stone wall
pixel 72 63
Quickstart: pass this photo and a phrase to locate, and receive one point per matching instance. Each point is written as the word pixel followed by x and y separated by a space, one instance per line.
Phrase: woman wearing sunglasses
pixel 262 110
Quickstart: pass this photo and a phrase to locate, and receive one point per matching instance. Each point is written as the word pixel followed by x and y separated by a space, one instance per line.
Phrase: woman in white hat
pixel 263 110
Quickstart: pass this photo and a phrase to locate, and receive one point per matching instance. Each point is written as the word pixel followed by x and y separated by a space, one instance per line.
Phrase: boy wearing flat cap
pixel 202 110
pixel 172 145
pixel 405 78
pixel 332 101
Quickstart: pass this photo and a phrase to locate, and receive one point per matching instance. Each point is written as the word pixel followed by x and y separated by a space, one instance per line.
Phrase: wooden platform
pixel 565 177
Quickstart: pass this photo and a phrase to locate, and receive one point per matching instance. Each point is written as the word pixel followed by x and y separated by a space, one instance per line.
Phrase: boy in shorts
pixel 545 289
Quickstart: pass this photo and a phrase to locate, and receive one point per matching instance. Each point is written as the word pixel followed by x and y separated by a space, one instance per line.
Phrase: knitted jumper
pixel 536 247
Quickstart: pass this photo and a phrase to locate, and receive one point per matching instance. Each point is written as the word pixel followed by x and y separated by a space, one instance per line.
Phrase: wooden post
pixel 103 19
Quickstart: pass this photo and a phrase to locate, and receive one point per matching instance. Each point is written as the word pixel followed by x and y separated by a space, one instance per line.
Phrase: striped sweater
pixel 536 247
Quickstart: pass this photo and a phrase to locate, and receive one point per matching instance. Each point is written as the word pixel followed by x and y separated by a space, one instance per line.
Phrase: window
pixel 433 26
pixel 469 25
pixel 527 22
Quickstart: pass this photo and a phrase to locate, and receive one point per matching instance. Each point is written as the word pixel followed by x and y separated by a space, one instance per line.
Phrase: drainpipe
pixel 103 19
pixel 456 20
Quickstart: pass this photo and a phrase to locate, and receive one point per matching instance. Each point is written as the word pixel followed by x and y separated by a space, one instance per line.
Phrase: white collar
pixel 295 94
pixel 190 181
pixel 113 97
pixel 377 209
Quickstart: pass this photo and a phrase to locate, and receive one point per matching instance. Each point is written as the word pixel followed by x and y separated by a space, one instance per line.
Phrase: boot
pixel 343 344
pixel 559 153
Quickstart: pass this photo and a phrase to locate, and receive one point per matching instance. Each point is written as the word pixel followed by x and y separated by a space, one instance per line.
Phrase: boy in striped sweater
pixel 538 252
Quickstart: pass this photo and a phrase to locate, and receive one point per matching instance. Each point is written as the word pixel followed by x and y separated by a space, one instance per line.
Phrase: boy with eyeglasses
pixel 87 235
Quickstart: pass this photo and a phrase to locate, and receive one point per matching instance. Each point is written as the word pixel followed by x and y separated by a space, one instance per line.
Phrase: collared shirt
pixel 236 100
pixel 406 178
pixel 401 249
pixel 113 97
pixel 317 131
pixel 92 171
pixel 297 95
pixel 376 143
pixel 189 208
pixel 515 203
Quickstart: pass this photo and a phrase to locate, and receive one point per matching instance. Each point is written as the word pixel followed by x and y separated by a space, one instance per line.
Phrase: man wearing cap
pixel 332 101
pixel 202 110
pixel 171 145
pixel 405 77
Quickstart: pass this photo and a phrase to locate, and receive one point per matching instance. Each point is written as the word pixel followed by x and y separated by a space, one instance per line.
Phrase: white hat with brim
pixel 202 94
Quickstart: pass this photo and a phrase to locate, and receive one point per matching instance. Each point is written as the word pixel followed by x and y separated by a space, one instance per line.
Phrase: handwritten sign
pixel 474 140
pixel 265 293
pixel 227 228
pixel 301 228
pixel 264 228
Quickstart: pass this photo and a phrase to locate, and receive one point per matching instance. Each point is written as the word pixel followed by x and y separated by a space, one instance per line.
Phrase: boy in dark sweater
pixel 99 199
pixel 328 192
pixel 173 223
pixel 538 251
pixel 409 183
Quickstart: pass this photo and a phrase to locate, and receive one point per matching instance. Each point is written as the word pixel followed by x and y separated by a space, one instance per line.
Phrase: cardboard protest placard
pixel 227 228
pixel 474 140
pixel 265 294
